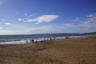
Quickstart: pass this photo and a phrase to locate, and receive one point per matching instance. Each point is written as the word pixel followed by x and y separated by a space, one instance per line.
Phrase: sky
pixel 47 16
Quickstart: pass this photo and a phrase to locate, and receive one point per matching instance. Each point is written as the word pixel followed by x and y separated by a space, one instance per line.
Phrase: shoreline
pixel 25 41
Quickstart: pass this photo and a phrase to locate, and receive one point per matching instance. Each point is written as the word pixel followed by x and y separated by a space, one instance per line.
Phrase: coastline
pixel 24 41
pixel 29 40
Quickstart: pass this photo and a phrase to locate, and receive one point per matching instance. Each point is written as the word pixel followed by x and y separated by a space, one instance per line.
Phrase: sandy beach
pixel 60 51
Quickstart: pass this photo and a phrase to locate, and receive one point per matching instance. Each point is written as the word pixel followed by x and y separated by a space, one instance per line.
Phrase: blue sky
pixel 45 16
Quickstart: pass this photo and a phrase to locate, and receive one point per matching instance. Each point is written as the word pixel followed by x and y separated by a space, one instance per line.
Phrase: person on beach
pixel 27 41
pixel 32 41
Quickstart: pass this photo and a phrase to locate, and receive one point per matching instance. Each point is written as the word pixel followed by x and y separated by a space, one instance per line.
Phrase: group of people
pixel 33 41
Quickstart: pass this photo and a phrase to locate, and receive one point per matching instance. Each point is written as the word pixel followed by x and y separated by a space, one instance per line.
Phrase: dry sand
pixel 63 51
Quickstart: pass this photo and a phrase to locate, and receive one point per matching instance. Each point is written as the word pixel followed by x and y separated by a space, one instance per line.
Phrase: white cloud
pixel 91 19
pixel 40 19
pixel 1 28
pixel 7 23
pixel 46 18
pixel 20 19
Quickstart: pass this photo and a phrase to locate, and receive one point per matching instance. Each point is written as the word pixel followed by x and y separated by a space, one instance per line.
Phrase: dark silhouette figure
pixel 32 41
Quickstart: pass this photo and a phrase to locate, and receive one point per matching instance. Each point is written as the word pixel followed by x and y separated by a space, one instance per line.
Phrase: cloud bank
pixel 77 25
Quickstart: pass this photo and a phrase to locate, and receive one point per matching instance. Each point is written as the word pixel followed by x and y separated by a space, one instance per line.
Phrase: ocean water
pixel 16 39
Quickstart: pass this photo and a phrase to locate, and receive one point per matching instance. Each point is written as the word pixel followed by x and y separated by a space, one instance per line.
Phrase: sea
pixel 21 39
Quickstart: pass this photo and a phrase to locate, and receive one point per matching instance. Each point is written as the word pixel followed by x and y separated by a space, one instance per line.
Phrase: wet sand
pixel 61 51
